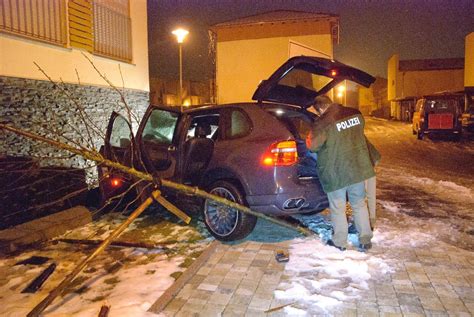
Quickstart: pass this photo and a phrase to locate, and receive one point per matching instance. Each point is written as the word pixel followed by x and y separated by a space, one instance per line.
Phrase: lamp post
pixel 180 35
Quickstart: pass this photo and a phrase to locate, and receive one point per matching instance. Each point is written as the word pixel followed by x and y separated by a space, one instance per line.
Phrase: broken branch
pixel 62 286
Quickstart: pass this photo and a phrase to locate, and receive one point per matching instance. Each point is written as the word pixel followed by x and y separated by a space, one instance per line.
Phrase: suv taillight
pixel 282 153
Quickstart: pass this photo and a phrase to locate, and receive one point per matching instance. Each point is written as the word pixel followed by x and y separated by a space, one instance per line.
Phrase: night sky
pixel 370 31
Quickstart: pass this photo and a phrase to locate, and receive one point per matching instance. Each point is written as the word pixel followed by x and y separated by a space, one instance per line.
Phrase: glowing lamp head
pixel 333 73
pixel 180 34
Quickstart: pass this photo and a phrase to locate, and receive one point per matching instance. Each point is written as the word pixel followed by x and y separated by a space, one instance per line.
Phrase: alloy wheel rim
pixel 222 220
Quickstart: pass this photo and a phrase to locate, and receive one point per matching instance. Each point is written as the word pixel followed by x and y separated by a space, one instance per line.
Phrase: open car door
pixel 302 78
pixel 118 147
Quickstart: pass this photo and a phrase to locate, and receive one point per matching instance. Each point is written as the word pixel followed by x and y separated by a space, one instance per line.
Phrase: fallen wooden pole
pixel 97 157
pixel 60 288
pixel 172 208
pixel 125 244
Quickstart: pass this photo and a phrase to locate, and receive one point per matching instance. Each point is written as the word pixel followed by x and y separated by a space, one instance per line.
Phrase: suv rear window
pixel 296 121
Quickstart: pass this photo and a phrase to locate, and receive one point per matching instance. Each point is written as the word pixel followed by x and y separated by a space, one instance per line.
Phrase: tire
pixel 224 223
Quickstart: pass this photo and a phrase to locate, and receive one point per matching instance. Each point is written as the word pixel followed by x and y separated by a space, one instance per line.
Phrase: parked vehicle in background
pixel 438 114
pixel 468 114
pixel 252 153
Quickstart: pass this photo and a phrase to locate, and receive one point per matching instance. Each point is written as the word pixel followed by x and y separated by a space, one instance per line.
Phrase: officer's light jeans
pixel 337 204
pixel 370 187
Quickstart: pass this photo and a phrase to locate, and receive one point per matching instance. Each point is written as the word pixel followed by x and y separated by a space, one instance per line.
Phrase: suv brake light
pixel 282 153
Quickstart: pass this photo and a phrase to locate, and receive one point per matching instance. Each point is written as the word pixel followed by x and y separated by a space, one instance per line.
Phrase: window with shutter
pixel 80 24
pixel 43 20
pixel 112 29
pixel 102 27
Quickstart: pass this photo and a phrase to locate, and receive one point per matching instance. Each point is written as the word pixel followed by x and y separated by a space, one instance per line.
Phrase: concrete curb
pixel 174 289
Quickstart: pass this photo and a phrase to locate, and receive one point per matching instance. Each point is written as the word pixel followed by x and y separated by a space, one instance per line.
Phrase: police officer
pixel 343 166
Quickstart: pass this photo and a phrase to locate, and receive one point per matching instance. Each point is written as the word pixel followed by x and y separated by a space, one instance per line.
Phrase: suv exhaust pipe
pixel 294 204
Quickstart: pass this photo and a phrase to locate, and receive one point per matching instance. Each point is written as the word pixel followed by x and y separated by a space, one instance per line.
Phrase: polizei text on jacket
pixel 347 123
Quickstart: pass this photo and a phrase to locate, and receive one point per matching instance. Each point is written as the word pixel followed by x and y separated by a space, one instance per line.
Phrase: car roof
pixel 198 108
pixel 444 95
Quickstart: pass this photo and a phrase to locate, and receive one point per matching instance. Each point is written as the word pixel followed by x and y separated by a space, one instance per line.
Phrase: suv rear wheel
pixel 224 223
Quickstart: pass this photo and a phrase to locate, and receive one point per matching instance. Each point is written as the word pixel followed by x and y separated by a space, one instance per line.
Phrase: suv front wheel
pixel 225 223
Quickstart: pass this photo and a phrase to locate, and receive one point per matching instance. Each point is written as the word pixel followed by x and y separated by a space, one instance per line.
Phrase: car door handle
pixel 171 148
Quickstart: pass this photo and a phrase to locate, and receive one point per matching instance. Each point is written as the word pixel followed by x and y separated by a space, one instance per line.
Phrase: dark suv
pixel 251 153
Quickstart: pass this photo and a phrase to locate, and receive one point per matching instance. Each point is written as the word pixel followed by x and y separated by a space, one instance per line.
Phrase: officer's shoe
pixel 364 247
pixel 331 243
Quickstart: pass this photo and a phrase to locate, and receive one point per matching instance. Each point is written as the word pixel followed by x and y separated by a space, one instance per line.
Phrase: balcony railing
pixel 43 20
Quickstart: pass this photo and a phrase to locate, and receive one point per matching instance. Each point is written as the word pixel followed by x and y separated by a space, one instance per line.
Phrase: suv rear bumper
pixel 442 131
pixel 275 204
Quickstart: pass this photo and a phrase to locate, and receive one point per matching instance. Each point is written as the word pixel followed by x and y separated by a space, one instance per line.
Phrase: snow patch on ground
pixel 130 280
pixel 321 277
pixel 133 295
pixel 421 232
pixel 444 189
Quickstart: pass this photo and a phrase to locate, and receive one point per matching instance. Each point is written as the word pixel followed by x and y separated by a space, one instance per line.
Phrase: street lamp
pixel 341 91
pixel 180 35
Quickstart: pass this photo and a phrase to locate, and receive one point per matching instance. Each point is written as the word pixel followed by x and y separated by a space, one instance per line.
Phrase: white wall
pixel 242 64
pixel 18 54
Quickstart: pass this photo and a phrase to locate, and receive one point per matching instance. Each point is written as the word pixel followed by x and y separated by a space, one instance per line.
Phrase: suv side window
pixel 210 120
pixel 239 124
pixel 160 127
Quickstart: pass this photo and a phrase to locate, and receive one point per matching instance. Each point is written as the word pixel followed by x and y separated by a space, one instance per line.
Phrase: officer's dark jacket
pixel 343 157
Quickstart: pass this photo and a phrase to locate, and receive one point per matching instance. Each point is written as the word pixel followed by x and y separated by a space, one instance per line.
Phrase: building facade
pixel 64 65
pixel 469 65
pixel 250 49
pixel 373 100
pixel 409 80
pixel 165 92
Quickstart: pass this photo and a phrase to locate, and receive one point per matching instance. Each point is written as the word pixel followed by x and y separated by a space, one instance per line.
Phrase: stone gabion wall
pixel 42 107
